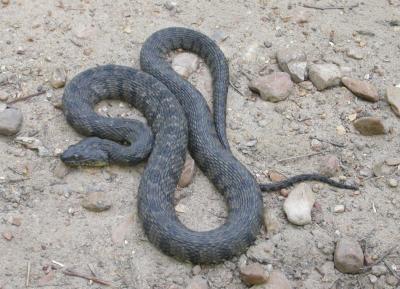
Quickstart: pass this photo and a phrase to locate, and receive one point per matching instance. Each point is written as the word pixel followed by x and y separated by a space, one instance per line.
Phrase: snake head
pixel 88 152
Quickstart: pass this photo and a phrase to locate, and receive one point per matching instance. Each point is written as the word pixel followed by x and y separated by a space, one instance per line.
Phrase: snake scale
pixel 178 117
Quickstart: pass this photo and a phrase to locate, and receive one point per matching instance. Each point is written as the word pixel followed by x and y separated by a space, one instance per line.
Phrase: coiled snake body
pixel 179 117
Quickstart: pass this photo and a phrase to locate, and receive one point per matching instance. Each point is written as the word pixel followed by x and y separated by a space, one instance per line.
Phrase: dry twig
pixel 26 97
pixel 70 272
pixel 330 7
pixel 298 157
pixel 28 273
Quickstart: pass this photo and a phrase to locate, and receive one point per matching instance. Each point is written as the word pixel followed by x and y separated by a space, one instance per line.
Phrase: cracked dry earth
pixel 41 214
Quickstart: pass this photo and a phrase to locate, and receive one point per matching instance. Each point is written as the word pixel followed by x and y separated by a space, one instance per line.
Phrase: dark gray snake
pixel 178 116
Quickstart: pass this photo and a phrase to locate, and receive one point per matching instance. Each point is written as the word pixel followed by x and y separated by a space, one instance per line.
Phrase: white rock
pixel 298 205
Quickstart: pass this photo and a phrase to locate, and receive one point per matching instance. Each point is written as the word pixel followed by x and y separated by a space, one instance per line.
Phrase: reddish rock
pixel 362 89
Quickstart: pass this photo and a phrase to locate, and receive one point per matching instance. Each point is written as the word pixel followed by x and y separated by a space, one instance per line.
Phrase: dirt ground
pixel 38 36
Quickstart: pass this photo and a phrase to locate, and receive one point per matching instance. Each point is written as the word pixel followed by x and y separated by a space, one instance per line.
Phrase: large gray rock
pixel 324 75
pixel 10 121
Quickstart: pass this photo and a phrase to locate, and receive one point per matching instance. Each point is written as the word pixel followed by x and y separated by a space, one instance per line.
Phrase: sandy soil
pixel 39 36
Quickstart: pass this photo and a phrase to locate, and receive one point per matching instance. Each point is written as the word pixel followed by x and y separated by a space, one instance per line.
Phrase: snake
pixel 178 119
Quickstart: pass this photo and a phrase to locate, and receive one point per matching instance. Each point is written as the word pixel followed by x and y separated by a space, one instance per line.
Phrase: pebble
pixel 393 183
pixel 330 166
pixel 15 221
pixel 3 96
pixel 188 171
pixel 362 89
pixel 339 209
pixel 197 283
pixel 61 170
pixel 185 64
pixel 324 75
pixel 298 204
pixel 7 235
pixel 276 280
pixel 340 130
pixel 393 98
pixel 379 270
pixel 58 77
pixel 392 161
pixel 274 87
pixel 316 145
pixel 355 53
pixel 348 256
pixel 253 274
pixel 5 2
pixel 33 144
pixel 10 121
pixel 369 126
pixel 391 280
pixel 170 5
pixel 270 222
pixel 196 270
pixel 372 278
pixel 294 62
pixel 96 202
pixel 275 176
pixel 262 252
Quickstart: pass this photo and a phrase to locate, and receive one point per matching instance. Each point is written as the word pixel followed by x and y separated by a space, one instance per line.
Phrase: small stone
pixel 391 280
pixel 185 64
pixel 393 183
pixel 262 252
pixel 341 130
pixel 82 31
pixel 61 170
pixel 5 2
pixel 339 209
pixel 330 166
pixel 298 71
pixel 253 274
pixel 361 89
pixel 10 121
pixel 393 98
pixel 276 280
pixel 372 278
pixel 96 202
pixel 379 270
pixel 369 126
pixel 7 235
pixel 33 144
pixel 15 221
pixel 298 205
pixel 267 44
pixel 188 171
pixel 392 161
pixel 316 145
pixel 275 176
pixel 294 62
pixel 3 96
pixel 273 87
pixel 20 50
pixel 170 5
pixel 301 16
pixel 196 270
pixel 58 78
pixel 324 75
pixel 355 53
pixel 197 283
pixel 180 208
pixel 56 101
pixel 270 222
pixel 348 257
